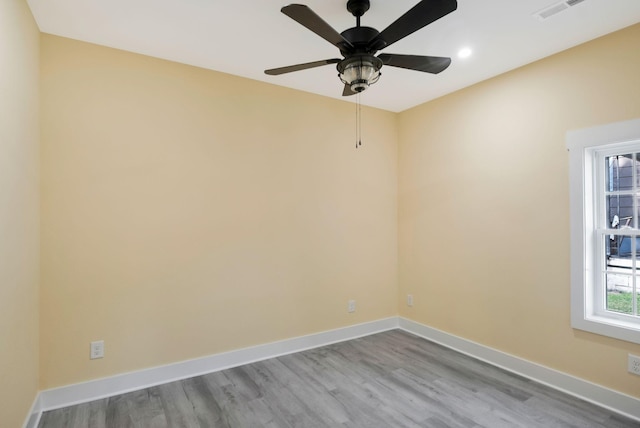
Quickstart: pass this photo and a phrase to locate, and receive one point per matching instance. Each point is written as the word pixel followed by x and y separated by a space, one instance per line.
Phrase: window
pixel 604 168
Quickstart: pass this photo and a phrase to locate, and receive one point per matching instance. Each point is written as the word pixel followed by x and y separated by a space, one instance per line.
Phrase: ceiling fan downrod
pixel 358 8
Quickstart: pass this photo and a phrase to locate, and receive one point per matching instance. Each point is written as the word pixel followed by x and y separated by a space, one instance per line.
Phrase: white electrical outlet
pixel 97 350
pixel 351 306
pixel 634 364
pixel 409 299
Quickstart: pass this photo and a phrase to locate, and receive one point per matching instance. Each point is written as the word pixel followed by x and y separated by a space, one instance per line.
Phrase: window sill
pixel 618 329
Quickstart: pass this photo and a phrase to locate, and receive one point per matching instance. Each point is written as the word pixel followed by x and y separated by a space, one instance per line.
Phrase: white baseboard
pixel 96 389
pixel 599 395
pixel 106 387
pixel 33 418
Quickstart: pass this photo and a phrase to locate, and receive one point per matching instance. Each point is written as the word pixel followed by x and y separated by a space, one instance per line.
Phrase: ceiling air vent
pixel 555 8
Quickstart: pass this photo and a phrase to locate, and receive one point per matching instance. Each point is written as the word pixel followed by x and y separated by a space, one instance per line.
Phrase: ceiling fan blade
pixel 347 91
pixel 428 64
pixel 304 16
pixel 420 15
pixel 298 67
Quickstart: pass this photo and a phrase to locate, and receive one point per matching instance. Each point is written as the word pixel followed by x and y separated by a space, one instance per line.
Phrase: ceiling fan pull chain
pixel 358 121
pixel 357 127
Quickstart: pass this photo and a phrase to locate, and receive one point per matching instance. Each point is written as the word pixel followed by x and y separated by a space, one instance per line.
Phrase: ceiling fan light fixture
pixel 360 72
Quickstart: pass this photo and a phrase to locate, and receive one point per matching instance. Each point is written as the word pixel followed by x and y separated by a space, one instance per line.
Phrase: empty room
pixel 334 213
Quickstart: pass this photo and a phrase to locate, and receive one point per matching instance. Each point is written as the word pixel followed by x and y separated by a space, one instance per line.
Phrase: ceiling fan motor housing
pixel 359 37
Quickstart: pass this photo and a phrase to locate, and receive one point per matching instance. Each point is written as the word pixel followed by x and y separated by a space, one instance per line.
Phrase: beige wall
pixel 187 212
pixel 483 206
pixel 19 196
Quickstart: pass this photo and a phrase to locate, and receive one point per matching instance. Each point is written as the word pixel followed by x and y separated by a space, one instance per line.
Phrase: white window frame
pixel 584 146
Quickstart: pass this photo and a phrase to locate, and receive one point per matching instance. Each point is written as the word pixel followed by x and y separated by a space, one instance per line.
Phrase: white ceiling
pixel 245 37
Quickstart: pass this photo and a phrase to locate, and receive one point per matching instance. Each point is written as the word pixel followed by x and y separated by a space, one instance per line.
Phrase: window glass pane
pixel 616 247
pixel 620 211
pixel 620 301
pixel 621 247
pixel 636 218
pixel 619 260
pixel 636 293
pixel 619 172
pixel 637 166
pixel 619 273
pixel 618 281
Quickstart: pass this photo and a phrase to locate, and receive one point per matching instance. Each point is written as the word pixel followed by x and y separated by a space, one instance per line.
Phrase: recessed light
pixel 464 53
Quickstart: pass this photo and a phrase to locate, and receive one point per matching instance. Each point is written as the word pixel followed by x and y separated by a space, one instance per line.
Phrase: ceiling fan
pixel 358 45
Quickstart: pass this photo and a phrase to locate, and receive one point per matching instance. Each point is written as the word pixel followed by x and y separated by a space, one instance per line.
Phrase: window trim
pixel 582 145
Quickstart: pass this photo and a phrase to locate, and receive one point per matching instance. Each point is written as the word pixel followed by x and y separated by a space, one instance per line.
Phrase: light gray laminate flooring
pixel 391 379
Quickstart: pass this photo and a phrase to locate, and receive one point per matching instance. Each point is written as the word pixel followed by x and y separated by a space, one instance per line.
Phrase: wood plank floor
pixel 391 379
